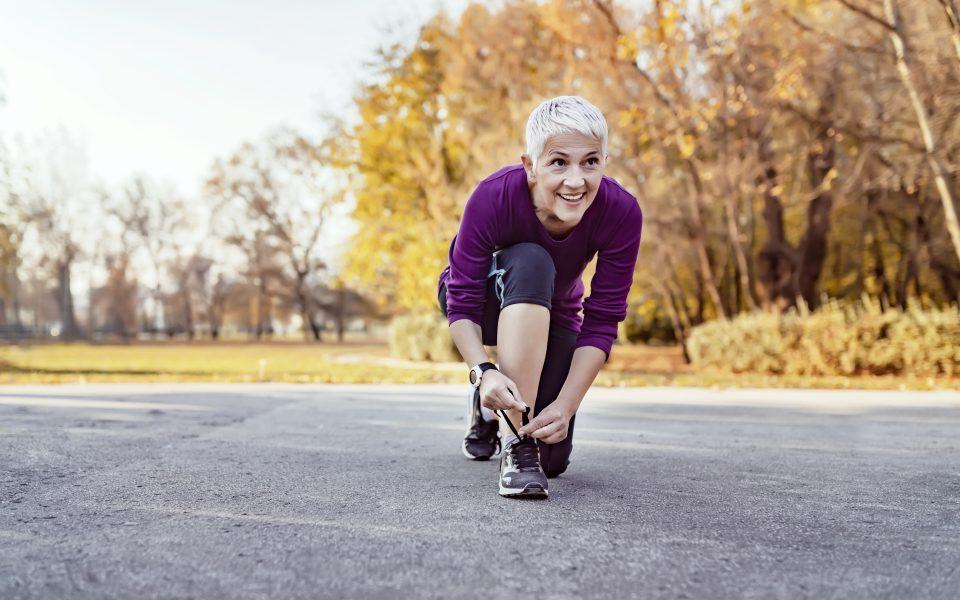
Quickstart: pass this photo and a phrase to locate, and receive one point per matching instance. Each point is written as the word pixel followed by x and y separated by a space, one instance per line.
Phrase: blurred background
pixel 260 192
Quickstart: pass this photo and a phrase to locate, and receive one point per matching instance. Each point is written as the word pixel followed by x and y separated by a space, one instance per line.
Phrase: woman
pixel 514 281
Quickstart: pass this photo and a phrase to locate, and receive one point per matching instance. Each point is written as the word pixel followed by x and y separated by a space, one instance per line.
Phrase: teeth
pixel 572 198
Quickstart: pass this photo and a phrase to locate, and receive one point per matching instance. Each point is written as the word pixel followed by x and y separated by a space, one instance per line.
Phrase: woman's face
pixel 565 180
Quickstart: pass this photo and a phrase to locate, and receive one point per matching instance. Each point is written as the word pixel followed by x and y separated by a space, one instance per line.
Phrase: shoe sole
pixel 531 490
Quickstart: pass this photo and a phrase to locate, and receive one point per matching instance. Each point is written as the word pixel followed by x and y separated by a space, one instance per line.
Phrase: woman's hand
pixel 550 426
pixel 499 392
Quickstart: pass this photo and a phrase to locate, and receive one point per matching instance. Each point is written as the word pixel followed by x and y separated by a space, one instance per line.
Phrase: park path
pixel 311 491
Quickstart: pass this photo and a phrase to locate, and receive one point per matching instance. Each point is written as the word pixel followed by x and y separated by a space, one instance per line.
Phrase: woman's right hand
pixel 499 392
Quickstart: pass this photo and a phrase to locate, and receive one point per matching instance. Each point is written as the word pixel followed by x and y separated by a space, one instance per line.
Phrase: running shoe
pixel 482 439
pixel 520 473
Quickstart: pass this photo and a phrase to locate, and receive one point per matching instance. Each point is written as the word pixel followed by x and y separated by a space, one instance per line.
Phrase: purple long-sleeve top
pixel 500 213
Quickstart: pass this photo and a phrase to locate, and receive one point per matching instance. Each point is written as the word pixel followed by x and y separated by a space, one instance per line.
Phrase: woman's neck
pixel 556 228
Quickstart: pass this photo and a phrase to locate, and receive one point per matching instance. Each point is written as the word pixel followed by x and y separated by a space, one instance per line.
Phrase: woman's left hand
pixel 550 426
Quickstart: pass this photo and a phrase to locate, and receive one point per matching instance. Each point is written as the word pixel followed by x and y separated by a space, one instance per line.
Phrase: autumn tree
pixel 154 221
pixel 436 118
pixel 776 146
pixel 52 197
pixel 272 200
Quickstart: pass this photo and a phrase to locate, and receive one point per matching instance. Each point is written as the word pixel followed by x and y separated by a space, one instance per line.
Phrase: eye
pixel 558 160
pixel 593 161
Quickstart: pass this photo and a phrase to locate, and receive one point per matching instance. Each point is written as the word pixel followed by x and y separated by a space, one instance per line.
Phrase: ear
pixel 528 167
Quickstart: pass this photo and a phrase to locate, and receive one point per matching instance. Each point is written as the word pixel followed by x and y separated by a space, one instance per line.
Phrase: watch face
pixel 473 377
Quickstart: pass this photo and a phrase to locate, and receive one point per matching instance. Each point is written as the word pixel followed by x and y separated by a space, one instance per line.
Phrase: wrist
pixel 567 406
pixel 477 371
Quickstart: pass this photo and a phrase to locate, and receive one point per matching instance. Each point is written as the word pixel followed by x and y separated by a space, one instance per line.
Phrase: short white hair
pixel 564 114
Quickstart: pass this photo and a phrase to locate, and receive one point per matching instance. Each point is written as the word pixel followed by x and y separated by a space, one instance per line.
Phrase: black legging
pixel 524 273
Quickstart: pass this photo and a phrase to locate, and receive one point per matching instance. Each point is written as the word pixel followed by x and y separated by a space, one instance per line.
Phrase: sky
pixel 162 88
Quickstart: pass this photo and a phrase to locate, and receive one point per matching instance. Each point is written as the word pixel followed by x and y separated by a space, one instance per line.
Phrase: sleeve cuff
pixel 457 316
pixel 604 344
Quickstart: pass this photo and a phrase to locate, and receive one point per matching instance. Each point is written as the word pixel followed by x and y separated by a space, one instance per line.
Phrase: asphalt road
pixel 295 491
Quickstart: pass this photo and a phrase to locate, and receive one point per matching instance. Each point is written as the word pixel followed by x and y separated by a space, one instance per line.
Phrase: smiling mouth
pixel 573 197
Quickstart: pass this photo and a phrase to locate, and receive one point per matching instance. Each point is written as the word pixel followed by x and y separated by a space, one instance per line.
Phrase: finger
pixel 510 398
pixel 550 432
pixel 490 401
pixel 505 399
pixel 540 421
pixel 555 438
pixel 515 391
pixel 547 430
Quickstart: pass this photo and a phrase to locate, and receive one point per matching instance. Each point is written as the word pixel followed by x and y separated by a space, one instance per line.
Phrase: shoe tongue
pixel 510 441
pixel 527 456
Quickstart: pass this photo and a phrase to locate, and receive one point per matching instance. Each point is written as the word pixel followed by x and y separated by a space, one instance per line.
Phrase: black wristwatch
pixel 477 372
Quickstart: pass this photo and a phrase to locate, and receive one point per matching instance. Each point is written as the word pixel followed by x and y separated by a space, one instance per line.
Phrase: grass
pixel 360 362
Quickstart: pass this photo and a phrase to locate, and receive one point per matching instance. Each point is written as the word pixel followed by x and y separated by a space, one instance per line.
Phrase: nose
pixel 574 183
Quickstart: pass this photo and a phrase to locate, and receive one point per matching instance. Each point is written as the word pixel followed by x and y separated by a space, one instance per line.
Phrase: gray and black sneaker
pixel 520 472
pixel 483 437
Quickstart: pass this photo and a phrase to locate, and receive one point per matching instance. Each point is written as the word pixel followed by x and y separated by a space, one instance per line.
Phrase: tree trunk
pixel 306 324
pixel 948 276
pixel 813 247
pixel 675 291
pixel 68 318
pixel 213 315
pixel 879 268
pixel 699 316
pixel 678 329
pixel 16 299
pixel 775 263
pixel 941 176
pixel 907 273
pixel 698 236
pixel 262 306
pixel 188 315
pixel 341 319
pixel 743 267
pixel 315 329
pixel 952 10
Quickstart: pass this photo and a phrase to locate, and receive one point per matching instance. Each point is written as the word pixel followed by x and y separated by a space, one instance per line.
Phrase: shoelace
pixel 523 421
pixel 525 452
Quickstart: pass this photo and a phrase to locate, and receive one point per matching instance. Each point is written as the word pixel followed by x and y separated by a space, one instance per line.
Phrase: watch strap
pixel 482 368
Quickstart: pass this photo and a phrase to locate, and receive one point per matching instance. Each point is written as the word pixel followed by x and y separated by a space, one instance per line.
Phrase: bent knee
pixel 555 458
pixel 533 258
pixel 530 275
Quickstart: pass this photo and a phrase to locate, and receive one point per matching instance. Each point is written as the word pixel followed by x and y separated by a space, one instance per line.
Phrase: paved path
pixel 276 491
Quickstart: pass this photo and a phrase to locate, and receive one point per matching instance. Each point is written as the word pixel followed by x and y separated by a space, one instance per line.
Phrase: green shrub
pixel 648 323
pixel 422 337
pixel 837 339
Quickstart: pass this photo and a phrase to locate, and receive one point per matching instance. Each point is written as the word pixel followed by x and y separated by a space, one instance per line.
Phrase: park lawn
pixel 356 362
pixel 211 362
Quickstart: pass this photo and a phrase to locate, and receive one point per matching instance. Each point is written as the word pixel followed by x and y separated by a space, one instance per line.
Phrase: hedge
pixel 837 339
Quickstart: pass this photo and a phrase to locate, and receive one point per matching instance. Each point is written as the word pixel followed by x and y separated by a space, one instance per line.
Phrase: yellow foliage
pixel 627 47
pixel 837 339
pixel 421 260
pixel 422 337
pixel 687 145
